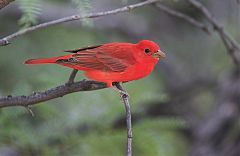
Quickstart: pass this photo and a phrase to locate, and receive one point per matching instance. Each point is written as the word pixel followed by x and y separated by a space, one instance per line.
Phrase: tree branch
pixel 185 17
pixel 4 3
pixel 231 45
pixel 59 91
pixel 128 118
pixel 6 40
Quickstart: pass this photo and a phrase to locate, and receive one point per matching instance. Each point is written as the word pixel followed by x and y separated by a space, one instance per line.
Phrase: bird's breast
pixel 134 72
pixel 139 70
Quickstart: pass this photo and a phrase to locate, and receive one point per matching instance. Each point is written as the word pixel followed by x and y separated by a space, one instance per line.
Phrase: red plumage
pixel 111 62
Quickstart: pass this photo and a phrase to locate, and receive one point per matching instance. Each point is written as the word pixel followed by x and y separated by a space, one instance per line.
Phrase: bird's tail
pixel 45 60
pixel 41 61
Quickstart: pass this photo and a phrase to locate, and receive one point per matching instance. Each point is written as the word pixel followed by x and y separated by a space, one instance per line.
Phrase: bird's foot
pixel 123 93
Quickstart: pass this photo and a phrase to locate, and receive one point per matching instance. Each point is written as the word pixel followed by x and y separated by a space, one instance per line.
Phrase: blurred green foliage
pixel 83 123
pixel 31 9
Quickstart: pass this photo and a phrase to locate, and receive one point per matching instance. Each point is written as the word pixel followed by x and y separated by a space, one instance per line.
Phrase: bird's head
pixel 150 49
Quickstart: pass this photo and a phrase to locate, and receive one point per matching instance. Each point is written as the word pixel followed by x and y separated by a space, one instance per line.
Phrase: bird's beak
pixel 159 54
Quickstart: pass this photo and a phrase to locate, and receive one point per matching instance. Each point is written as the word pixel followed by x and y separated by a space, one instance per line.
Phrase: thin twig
pixel 6 40
pixel 185 17
pixel 231 44
pixel 49 94
pixel 72 76
pixel 128 118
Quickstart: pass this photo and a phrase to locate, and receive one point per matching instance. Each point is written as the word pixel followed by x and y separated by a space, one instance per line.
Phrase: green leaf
pixel 30 11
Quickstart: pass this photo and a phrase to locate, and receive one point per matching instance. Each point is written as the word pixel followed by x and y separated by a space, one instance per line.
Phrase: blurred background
pixel 176 110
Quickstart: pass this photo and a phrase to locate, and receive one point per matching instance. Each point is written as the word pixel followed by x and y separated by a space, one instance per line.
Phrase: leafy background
pixel 86 123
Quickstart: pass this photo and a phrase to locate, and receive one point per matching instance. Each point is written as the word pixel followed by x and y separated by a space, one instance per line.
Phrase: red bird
pixel 110 62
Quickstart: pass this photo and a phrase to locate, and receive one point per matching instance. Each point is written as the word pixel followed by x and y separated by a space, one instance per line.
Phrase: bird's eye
pixel 147 51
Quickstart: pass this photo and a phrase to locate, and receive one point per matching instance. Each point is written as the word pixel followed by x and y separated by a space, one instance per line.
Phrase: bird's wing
pixel 104 59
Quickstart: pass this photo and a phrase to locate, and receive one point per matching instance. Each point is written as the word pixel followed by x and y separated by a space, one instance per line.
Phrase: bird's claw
pixel 123 96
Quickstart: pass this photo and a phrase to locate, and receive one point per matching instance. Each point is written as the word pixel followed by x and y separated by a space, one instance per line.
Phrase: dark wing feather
pixel 115 64
pixel 82 49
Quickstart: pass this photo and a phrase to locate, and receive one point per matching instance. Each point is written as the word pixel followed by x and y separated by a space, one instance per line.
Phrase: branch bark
pixel 59 91
pixel 4 3
pixel 6 40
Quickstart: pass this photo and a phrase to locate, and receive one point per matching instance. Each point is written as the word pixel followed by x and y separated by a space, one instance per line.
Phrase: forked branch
pixel 230 43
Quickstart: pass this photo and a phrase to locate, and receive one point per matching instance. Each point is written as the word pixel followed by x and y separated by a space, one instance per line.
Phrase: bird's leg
pixel 72 76
pixel 116 86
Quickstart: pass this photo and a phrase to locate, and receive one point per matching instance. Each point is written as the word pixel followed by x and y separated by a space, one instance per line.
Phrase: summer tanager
pixel 110 62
